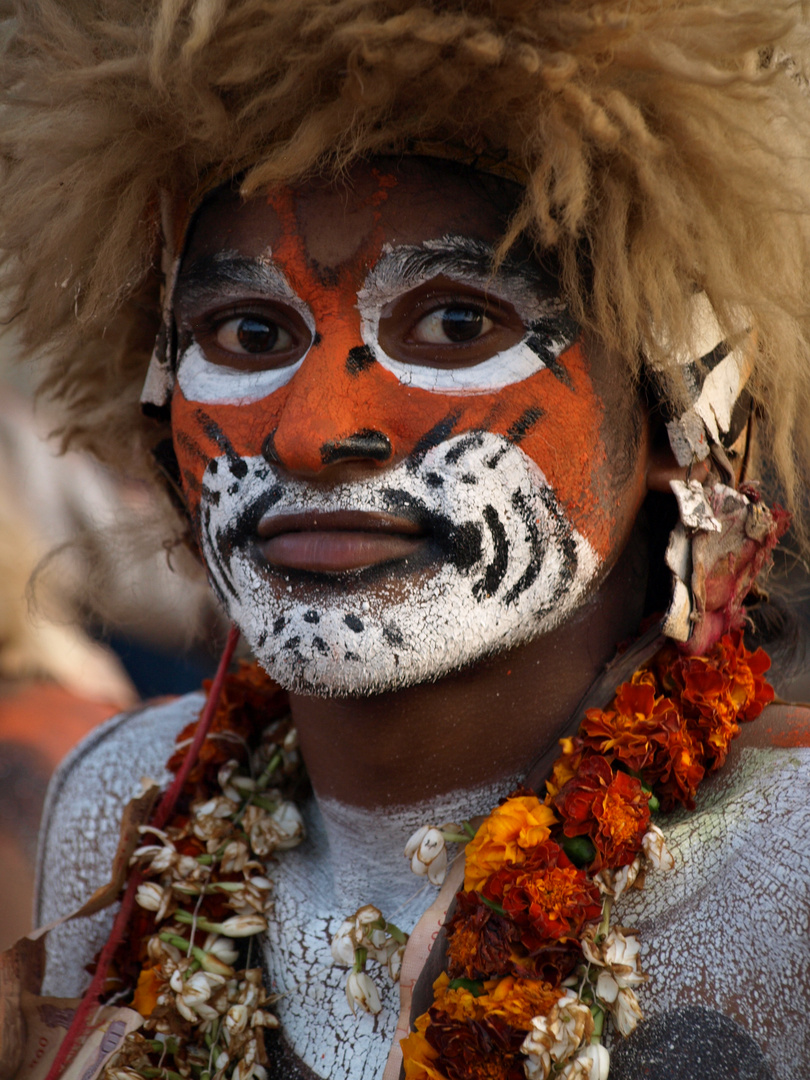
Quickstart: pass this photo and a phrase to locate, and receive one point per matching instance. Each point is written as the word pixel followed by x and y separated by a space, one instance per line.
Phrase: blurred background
pixel 71 655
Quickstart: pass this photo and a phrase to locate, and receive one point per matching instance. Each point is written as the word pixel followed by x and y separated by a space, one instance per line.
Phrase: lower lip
pixel 333 551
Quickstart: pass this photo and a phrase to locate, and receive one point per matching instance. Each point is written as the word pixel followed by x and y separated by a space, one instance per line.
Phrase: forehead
pixel 387 201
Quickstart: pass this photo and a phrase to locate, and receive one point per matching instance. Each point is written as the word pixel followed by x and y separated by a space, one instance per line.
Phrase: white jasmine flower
pixel 427 851
pixel 221 948
pixel 394 962
pixel 615 882
pixel 236 1019
pixel 625 1011
pixel 619 953
pixel 263 1018
pixel 360 990
pixel 287 819
pixel 239 926
pixel 553 1039
pixel 151 896
pixel 591 1063
pixel 234 857
pixel 343 944
pixel 655 848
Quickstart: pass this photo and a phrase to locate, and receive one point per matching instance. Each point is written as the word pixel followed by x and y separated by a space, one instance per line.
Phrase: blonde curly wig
pixel 664 145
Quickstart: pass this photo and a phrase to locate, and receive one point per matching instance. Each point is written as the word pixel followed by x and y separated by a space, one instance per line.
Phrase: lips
pixel 336 541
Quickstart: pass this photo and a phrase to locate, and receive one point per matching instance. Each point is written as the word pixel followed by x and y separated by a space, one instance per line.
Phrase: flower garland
pixel 204 890
pixel 534 964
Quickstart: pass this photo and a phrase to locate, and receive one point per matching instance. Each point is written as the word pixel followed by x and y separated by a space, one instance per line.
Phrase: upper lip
pixel 336 520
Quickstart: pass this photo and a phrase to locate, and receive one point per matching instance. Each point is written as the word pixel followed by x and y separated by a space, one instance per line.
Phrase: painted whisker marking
pixel 438 434
pixel 212 429
pixel 496 570
pixel 523 425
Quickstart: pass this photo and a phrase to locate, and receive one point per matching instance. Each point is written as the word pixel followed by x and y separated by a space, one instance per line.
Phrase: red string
pixel 161 816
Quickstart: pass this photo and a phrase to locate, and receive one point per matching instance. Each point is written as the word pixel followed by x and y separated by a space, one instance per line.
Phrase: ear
pixel 662 468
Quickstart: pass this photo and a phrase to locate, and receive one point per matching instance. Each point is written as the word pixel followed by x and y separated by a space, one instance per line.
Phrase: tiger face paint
pixel 397 460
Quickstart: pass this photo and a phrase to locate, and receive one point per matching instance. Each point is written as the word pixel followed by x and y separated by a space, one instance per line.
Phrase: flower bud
pixel 150 895
pixel 427 851
pixel 360 990
pixel 239 926
pixel 236 1019
pixel 591 1063
pixel 343 944
pixel 625 1012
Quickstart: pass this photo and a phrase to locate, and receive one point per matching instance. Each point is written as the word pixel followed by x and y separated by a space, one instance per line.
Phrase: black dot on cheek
pixel 213 465
pixel 279 624
pixel 320 645
pixel 351 656
pixel 292 642
pixel 312 617
pixel 354 623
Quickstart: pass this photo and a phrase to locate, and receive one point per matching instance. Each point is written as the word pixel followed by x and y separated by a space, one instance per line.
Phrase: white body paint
pixel 408 627
pixel 726 928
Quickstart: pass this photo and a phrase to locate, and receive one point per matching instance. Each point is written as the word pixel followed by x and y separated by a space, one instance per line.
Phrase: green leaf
pixel 492 904
pixel 475 988
pixel 579 849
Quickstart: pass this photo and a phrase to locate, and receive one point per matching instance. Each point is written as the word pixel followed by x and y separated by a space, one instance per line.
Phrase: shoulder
pixel 782 726
pixel 80 826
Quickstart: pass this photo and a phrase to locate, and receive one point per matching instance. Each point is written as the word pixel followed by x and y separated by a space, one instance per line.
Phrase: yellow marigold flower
pixel 510 831
pixel 518 1001
pixel 418 1056
pixel 459 1004
pixel 146 993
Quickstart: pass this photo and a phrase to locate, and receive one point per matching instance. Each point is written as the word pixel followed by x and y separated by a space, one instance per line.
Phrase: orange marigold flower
pixel 145 998
pixel 635 727
pixel 510 832
pixel 418 1056
pixel 610 808
pixel 678 771
pixel 565 766
pixel 547 897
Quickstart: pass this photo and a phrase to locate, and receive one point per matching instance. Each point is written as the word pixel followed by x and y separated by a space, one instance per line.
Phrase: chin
pixel 506 566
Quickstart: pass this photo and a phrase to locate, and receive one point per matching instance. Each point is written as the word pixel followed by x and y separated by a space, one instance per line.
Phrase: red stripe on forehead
pixel 557 425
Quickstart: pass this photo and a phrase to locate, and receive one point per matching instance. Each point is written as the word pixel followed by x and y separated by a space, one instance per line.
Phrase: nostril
pixel 269 449
pixel 372 445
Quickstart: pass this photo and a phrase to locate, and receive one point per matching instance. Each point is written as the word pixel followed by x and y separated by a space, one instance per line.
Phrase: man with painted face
pixel 462 310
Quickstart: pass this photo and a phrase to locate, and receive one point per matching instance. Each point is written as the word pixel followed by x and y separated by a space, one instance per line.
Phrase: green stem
pixel 360 957
pixel 598 1023
pixel 604 925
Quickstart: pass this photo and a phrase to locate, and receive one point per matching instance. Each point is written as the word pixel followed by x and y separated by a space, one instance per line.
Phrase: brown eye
pixel 250 334
pixel 450 325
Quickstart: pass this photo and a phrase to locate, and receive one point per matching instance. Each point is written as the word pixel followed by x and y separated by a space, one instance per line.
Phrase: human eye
pixel 452 324
pixel 447 324
pixel 248 335
pixel 252 338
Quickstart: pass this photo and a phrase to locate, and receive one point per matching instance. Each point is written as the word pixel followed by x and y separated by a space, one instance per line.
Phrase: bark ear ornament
pixel 725 533
pixel 157 390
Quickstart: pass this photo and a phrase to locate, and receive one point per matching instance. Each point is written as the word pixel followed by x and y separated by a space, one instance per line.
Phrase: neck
pixel 480 727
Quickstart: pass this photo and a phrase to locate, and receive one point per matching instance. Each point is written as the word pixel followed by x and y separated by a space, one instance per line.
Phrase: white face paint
pixel 207 382
pixel 549 329
pixel 502 565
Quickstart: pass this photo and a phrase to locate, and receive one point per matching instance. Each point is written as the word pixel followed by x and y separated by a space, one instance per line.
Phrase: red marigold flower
pixel 677 771
pixel 610 808
pixel 249 701
pixel 487 1049
pixel 547 897
pixel 480 943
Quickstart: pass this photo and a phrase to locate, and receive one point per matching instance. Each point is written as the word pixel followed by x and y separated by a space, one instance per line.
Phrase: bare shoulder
pixel 783 725
pixel 80 826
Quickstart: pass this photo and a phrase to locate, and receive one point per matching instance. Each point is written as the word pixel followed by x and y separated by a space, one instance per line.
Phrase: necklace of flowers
pixel 534 964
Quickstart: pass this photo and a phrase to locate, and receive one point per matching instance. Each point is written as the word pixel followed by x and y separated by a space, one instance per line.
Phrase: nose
pixel 334 413
pixel 365 444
